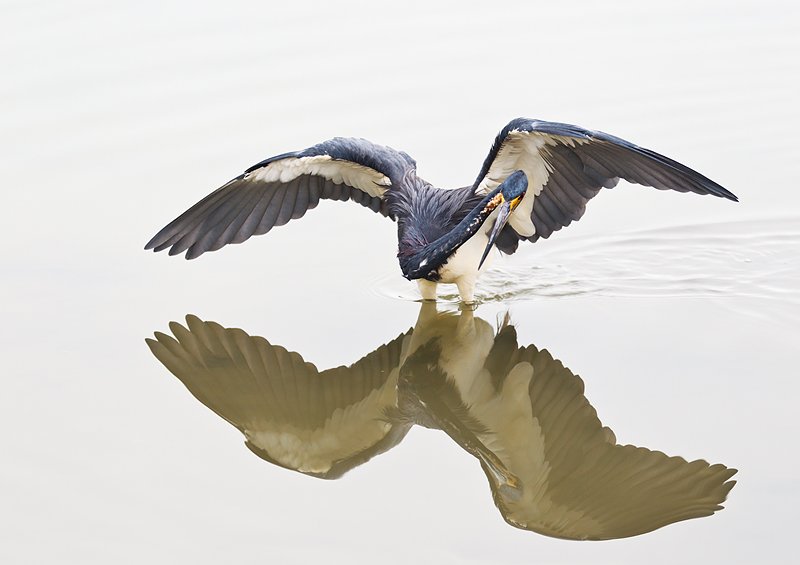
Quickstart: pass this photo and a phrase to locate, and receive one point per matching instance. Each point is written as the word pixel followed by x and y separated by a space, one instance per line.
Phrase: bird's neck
pixel 426 262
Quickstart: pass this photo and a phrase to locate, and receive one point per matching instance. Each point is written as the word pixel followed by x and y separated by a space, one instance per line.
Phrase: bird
pixel 552 467
pixel 536 179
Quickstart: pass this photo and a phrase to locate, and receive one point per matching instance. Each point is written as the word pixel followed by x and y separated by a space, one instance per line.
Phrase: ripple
pixel 755 259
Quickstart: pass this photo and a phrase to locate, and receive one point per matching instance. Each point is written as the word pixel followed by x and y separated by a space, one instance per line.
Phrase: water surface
pixel 679 314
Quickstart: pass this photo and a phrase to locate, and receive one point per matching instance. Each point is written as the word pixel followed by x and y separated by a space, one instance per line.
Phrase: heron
pixel 536 179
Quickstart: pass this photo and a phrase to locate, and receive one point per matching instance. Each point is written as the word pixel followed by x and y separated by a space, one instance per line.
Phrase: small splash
pixel 756 259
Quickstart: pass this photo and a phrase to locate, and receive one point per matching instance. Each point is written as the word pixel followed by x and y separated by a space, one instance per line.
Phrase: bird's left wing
pixel 283 188
pixel 567 166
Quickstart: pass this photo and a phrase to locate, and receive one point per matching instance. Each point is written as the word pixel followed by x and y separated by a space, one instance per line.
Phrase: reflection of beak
pixel 502 219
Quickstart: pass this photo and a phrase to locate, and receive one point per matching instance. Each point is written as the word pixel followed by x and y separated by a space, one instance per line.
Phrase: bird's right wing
pixel 318 423
pixel 567 166
pixel 572 480
pixel 283 188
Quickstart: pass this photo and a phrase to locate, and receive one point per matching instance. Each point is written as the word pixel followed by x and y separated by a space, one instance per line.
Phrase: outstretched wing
pixel 566 167
pixel 317 423
pixel 572 479
pixel 284 188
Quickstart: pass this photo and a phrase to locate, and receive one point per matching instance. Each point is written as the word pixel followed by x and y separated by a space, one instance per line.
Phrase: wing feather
pixel 289 200
pixel 301 204
pixel 283 188
pixel 209 239
pixel 272 210
pixel 251 224
pixel 238 216
pixel 541 221
pixel 567 166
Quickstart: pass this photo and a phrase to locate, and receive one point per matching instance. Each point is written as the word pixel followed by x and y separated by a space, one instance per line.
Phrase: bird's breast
pixel 465 260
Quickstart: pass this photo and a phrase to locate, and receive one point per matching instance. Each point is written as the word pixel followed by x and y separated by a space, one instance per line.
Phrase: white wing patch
pixel 286 170
pixel 525 151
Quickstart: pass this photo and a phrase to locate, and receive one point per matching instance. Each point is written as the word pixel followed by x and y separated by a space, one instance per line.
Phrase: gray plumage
pixel 565 165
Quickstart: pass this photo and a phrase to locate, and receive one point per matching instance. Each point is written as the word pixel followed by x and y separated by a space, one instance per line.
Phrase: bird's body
pixel 432 214
pixel 462 267
pixel 537 178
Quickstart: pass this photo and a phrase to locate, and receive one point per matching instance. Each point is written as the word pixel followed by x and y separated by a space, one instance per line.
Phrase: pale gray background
pixel 118 115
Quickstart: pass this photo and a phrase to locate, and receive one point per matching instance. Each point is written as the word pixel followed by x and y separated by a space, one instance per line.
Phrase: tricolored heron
pixel 537 178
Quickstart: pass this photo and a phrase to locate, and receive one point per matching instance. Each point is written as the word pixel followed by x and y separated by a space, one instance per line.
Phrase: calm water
pixel 663 321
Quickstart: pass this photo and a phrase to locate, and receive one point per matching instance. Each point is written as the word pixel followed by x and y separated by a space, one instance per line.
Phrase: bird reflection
pixel 552 466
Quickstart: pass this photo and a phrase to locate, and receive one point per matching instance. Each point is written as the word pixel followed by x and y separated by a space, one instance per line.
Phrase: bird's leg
pixel 427 289
pixel 466 288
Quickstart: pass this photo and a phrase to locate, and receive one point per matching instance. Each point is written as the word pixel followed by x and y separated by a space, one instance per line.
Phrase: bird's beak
pixel 506 208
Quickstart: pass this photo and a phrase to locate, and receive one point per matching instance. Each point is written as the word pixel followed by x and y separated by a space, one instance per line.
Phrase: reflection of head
pixel 552 466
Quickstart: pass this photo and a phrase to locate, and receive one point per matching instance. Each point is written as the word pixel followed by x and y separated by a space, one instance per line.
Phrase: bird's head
pixel 508 196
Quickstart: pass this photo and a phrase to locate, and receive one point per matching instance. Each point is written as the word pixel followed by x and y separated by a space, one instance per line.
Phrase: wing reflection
pixel 552 467
pixel 318 423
